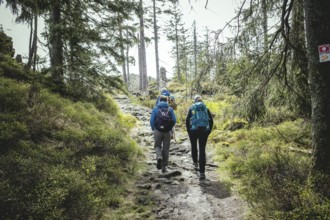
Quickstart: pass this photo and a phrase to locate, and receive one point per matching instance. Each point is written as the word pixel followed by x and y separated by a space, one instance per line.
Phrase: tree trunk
pixel 29 63
pixel 56 47
pixel 299 60
pixel 127 60
pixel 123 56
pixel 195 51
pixel 140 66
pixel 33 43
pixel 265 23
pixel 156 45
pixel 163 78
pixel 208 56
pixel 143 60
pixel 177 48
pixel 194 76
pixel 318 33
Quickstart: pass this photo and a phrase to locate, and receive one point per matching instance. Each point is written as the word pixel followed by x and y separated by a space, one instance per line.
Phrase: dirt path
pixel 179 194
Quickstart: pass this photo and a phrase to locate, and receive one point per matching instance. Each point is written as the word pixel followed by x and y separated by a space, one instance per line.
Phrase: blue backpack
pixel 163 120
pixel 199 119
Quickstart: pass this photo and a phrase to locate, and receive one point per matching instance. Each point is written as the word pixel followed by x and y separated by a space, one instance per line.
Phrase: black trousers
pixel 201 138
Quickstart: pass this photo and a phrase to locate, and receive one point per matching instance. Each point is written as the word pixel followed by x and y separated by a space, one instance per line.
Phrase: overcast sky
pixel 214 16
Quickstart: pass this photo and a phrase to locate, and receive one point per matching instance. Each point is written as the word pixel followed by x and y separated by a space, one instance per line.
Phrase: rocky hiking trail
pixel 178 193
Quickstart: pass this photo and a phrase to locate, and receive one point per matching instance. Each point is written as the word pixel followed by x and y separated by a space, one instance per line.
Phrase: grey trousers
pixel 162 145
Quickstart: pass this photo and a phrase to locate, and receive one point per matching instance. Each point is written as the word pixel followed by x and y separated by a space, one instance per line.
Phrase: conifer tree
pixel 317 15
pixel 175 33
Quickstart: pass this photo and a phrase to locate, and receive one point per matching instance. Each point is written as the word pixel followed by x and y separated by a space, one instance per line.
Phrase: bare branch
pixel 207 1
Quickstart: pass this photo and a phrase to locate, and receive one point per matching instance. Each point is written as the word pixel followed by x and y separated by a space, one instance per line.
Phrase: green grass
pixel 61 159
pixel 269 165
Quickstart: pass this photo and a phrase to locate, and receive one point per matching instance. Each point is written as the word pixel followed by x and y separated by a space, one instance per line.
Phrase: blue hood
pixel 166 93
pixel 162 105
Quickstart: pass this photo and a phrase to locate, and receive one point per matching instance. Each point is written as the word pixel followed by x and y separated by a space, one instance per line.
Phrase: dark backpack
pixel 163 121
pixel 199 119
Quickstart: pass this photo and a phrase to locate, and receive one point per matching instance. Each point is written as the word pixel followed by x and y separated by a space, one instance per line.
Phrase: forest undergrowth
pixel 61 159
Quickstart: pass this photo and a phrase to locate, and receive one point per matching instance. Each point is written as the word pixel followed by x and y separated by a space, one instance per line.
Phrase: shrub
pixel 175 87
pixel 272 165
pixel 106 104
pixel 149 103
pixel 6 44
pixel 181 113
pixel 279 114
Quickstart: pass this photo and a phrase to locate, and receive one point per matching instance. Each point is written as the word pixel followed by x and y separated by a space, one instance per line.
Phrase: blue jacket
pixel 154 113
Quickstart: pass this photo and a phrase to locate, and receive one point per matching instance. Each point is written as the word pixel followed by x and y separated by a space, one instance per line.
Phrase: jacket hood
pixel 166 93
pixel 162 104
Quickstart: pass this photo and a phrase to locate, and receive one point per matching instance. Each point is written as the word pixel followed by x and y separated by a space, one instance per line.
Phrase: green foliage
pixel 276 185
pixel 206 87
pixel 277 115
pixel 308 205
pixel 6 44
pixel 175 87
pixel 215 107
pixel 11 130
pixel 219 109
pixel 272 165
pixel 149 103
pixel 127 120
pixel 10 68
pixel 181 112
pixel 59 159
pixel 255 108
pixel 13 104
pixel 234 124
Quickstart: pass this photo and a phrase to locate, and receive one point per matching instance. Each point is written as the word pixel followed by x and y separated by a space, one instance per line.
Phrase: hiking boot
pixel 159 163
pixel 164 170
pixel 202 176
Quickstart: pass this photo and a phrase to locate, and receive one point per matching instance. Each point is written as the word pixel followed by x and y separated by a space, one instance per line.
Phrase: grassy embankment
pixel 61 159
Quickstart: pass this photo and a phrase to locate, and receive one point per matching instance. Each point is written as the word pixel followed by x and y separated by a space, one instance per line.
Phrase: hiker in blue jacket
pixel 162 121
pixel 199 126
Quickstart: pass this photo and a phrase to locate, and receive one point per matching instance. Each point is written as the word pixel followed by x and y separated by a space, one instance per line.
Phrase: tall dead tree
pixel 156 44
pixel 122 53
pixel 142 53
pixel 32 60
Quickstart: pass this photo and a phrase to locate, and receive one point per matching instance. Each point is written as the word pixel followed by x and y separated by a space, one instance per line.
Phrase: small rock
pixel 144 186
pixel 172 174
pixel 157 186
